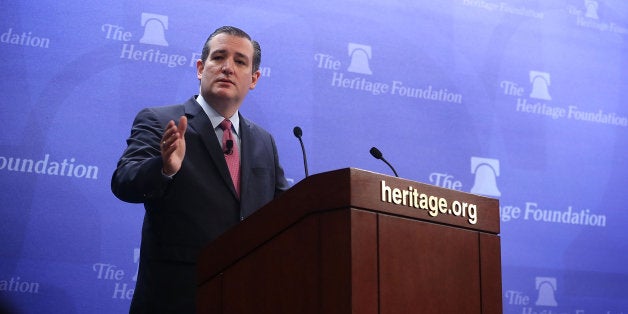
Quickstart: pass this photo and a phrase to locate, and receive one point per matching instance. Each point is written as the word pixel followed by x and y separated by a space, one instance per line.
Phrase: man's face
pixel 226 76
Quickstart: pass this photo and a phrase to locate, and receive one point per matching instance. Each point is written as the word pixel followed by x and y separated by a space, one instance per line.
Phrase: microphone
pixel 378 155
pixel 298 133
pixel 229 149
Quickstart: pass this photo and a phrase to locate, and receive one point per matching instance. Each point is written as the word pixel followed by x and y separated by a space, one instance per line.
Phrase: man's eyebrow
pixel 238 54
pixel 219 51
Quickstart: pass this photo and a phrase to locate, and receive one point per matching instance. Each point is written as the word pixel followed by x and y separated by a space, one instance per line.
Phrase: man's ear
pixel 199 68
pixel 255 78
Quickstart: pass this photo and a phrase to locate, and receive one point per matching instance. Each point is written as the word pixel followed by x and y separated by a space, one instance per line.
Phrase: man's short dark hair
pixel 234 31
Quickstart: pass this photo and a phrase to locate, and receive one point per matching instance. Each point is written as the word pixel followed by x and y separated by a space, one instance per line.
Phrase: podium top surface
pixel 360 190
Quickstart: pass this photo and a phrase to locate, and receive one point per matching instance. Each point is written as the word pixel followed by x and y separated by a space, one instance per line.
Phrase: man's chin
pixel 222 96
pixel 223 92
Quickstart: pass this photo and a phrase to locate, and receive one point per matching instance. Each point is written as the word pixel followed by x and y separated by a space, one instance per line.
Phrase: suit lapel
pixel 245 155
pixel 199 122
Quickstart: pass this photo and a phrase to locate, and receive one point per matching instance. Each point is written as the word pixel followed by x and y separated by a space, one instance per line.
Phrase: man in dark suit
pixel 180 172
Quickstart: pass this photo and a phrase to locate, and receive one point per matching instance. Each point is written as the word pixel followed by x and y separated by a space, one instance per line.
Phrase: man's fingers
pixel 173 145
pixel 168 131
pixel 183 125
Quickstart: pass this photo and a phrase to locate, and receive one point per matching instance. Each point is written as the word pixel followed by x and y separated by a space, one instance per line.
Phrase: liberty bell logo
pixel 591 11
pixel 540 83
pixel 546 287
pixel 486 171
pixel 360 56
pixel 155 27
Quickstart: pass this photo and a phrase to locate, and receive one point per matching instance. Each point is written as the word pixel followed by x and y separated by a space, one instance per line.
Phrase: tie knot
pixel 225 124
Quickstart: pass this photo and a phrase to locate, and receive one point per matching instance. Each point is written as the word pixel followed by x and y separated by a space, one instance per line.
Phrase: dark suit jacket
pixel 198 204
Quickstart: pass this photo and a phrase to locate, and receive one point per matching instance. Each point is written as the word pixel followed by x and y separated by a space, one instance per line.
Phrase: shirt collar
pixel 215 118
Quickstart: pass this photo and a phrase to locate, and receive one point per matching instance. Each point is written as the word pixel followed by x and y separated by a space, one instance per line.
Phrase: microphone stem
pixel 304 157
pixel 391 167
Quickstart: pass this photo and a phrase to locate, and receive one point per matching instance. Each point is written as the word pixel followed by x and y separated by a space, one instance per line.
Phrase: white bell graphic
pixel 546 287
pixel 540 81
pixel 486 172
pixel 360 55
pixel 154 29
pixel 591 9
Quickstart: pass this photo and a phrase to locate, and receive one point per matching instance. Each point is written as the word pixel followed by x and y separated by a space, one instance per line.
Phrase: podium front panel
pixel 427 268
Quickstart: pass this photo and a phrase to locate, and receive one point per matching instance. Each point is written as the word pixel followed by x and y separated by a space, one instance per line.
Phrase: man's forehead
pixel 223 43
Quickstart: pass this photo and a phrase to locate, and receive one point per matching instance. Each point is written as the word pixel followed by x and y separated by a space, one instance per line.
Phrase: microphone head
pixel 376 153
pixel 297 132
pixel 229 149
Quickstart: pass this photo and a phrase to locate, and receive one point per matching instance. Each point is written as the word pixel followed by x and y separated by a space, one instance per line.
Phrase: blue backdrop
pixel 524 101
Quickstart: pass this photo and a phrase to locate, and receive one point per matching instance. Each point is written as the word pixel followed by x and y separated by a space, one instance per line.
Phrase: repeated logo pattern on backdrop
pixel 518 100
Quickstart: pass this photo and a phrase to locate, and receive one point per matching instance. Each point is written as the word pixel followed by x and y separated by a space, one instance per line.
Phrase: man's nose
pixel 227 66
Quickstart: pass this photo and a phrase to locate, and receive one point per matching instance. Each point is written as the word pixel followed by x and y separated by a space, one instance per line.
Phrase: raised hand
pixel 173 146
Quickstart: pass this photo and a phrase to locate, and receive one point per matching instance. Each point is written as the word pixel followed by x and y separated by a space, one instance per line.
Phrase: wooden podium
pixel 353 241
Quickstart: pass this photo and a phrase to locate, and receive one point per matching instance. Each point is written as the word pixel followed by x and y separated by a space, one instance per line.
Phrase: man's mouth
pixel 224 80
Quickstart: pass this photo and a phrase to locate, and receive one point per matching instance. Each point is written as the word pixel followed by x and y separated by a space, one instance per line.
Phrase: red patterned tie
pixel 232 156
